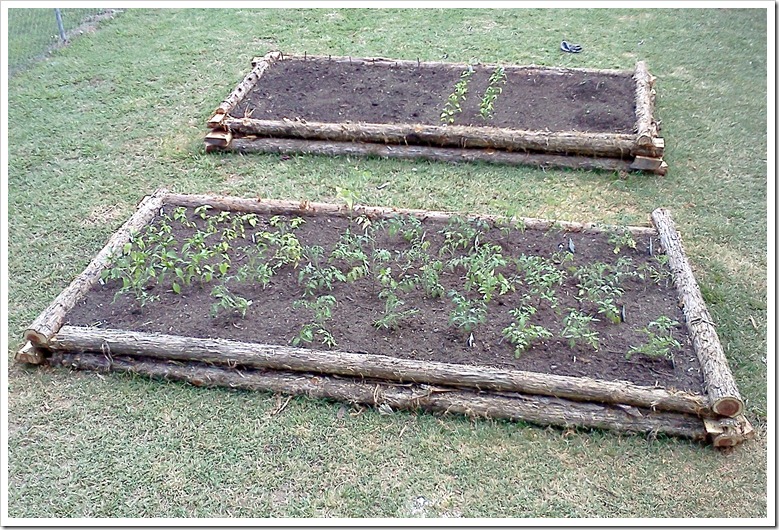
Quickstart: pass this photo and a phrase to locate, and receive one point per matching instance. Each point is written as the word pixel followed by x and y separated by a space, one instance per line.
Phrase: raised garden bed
pixel 545 321
pixel 562 117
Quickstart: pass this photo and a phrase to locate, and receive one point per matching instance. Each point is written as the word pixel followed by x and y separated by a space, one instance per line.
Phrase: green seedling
pixel 487 103
pixel 460 234
pixel 467 314
pixel 393 315
pixel 541 276
pixel 661 342
pixel 322 308
pixel 622 239
pixel 521 333
pixel 226 302
pixel 576 328
pixel 430 278
pixel 599 283
pixel 481 271
pixel 348 196
pixel 454 101
pixel 314 277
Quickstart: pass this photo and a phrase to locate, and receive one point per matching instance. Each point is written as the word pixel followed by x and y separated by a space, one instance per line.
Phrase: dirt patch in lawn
pixel 428 332
pixel 530 99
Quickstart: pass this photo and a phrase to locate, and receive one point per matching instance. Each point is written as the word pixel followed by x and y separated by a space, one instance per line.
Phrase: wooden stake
pixel 513 406
pixel 717 378
pixel 50 320
pixel 382 367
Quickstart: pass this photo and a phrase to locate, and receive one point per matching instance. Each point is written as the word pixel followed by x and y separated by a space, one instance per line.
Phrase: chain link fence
pixel 33 33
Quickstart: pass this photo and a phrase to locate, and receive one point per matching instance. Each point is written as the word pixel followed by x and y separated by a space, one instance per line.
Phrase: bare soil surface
pixel 537 99
pixel 272 317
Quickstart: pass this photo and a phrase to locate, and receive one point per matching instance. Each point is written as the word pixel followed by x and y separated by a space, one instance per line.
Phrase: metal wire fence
pixel 35 32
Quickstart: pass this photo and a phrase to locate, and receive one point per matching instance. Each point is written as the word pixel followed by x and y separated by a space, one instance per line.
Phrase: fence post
pixel 58 14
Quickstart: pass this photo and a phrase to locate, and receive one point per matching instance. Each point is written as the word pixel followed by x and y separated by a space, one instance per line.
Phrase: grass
pixel 34 32
pixel 121 111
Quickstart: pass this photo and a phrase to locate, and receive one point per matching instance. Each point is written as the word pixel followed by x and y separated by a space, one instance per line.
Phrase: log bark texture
pixel 646 128
pixel 245 86
pixel 439 154
pixel 384 61
pixel 574 142
pixel 50 320
pixel 382 367
pixel 519 407
pixel 717 377
pixel 284 207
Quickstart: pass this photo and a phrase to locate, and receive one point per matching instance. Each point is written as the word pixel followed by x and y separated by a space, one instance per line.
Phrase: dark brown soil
pixel 537 100
pixel 428 335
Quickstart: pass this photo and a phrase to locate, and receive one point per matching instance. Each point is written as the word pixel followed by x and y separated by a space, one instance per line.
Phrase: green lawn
pixel 121 111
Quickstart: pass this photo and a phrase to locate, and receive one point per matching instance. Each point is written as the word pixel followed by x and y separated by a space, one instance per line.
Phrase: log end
pixel 216 119
pixel 729 432
pixel 30 354
pixel 34 336
pixel 219 139
pixel 728 406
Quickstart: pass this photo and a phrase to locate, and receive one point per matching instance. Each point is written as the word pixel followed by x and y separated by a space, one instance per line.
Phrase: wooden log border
pixel 382 367
pixel 504 405
pixel 720 409
pixel 644 142
pixel 718 379
pixel 52 318
pixel 439 154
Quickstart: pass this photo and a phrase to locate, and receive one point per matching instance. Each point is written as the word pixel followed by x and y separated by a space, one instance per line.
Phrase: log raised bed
pixel 69 333
pixel 544 116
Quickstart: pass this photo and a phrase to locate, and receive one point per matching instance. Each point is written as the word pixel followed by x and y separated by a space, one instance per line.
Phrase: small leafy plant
pixel 322 308
pixel 481 271
pixel 393 315
pixel 460 234
pixel 454 101
pixel 599 285
pixel 541 276
pixel 622 239
pixel 576 328
pixel 521 333
pixel 315 277
pixel 227 301
pixel 487 103
pixel 466 314
pixel 661 342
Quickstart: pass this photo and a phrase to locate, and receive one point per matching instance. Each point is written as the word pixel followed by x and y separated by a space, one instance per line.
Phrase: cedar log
pixel 30 354
pixel 646 130
pixel 568 142
pixel 643 163
pixel 717 378
pixel 457 66
pixel 514 406
pixel 235 353
pixel 284 207
pixel 245 86
pixel 727 432
pixel 50 320
pixel 440 154
pixel 218 139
